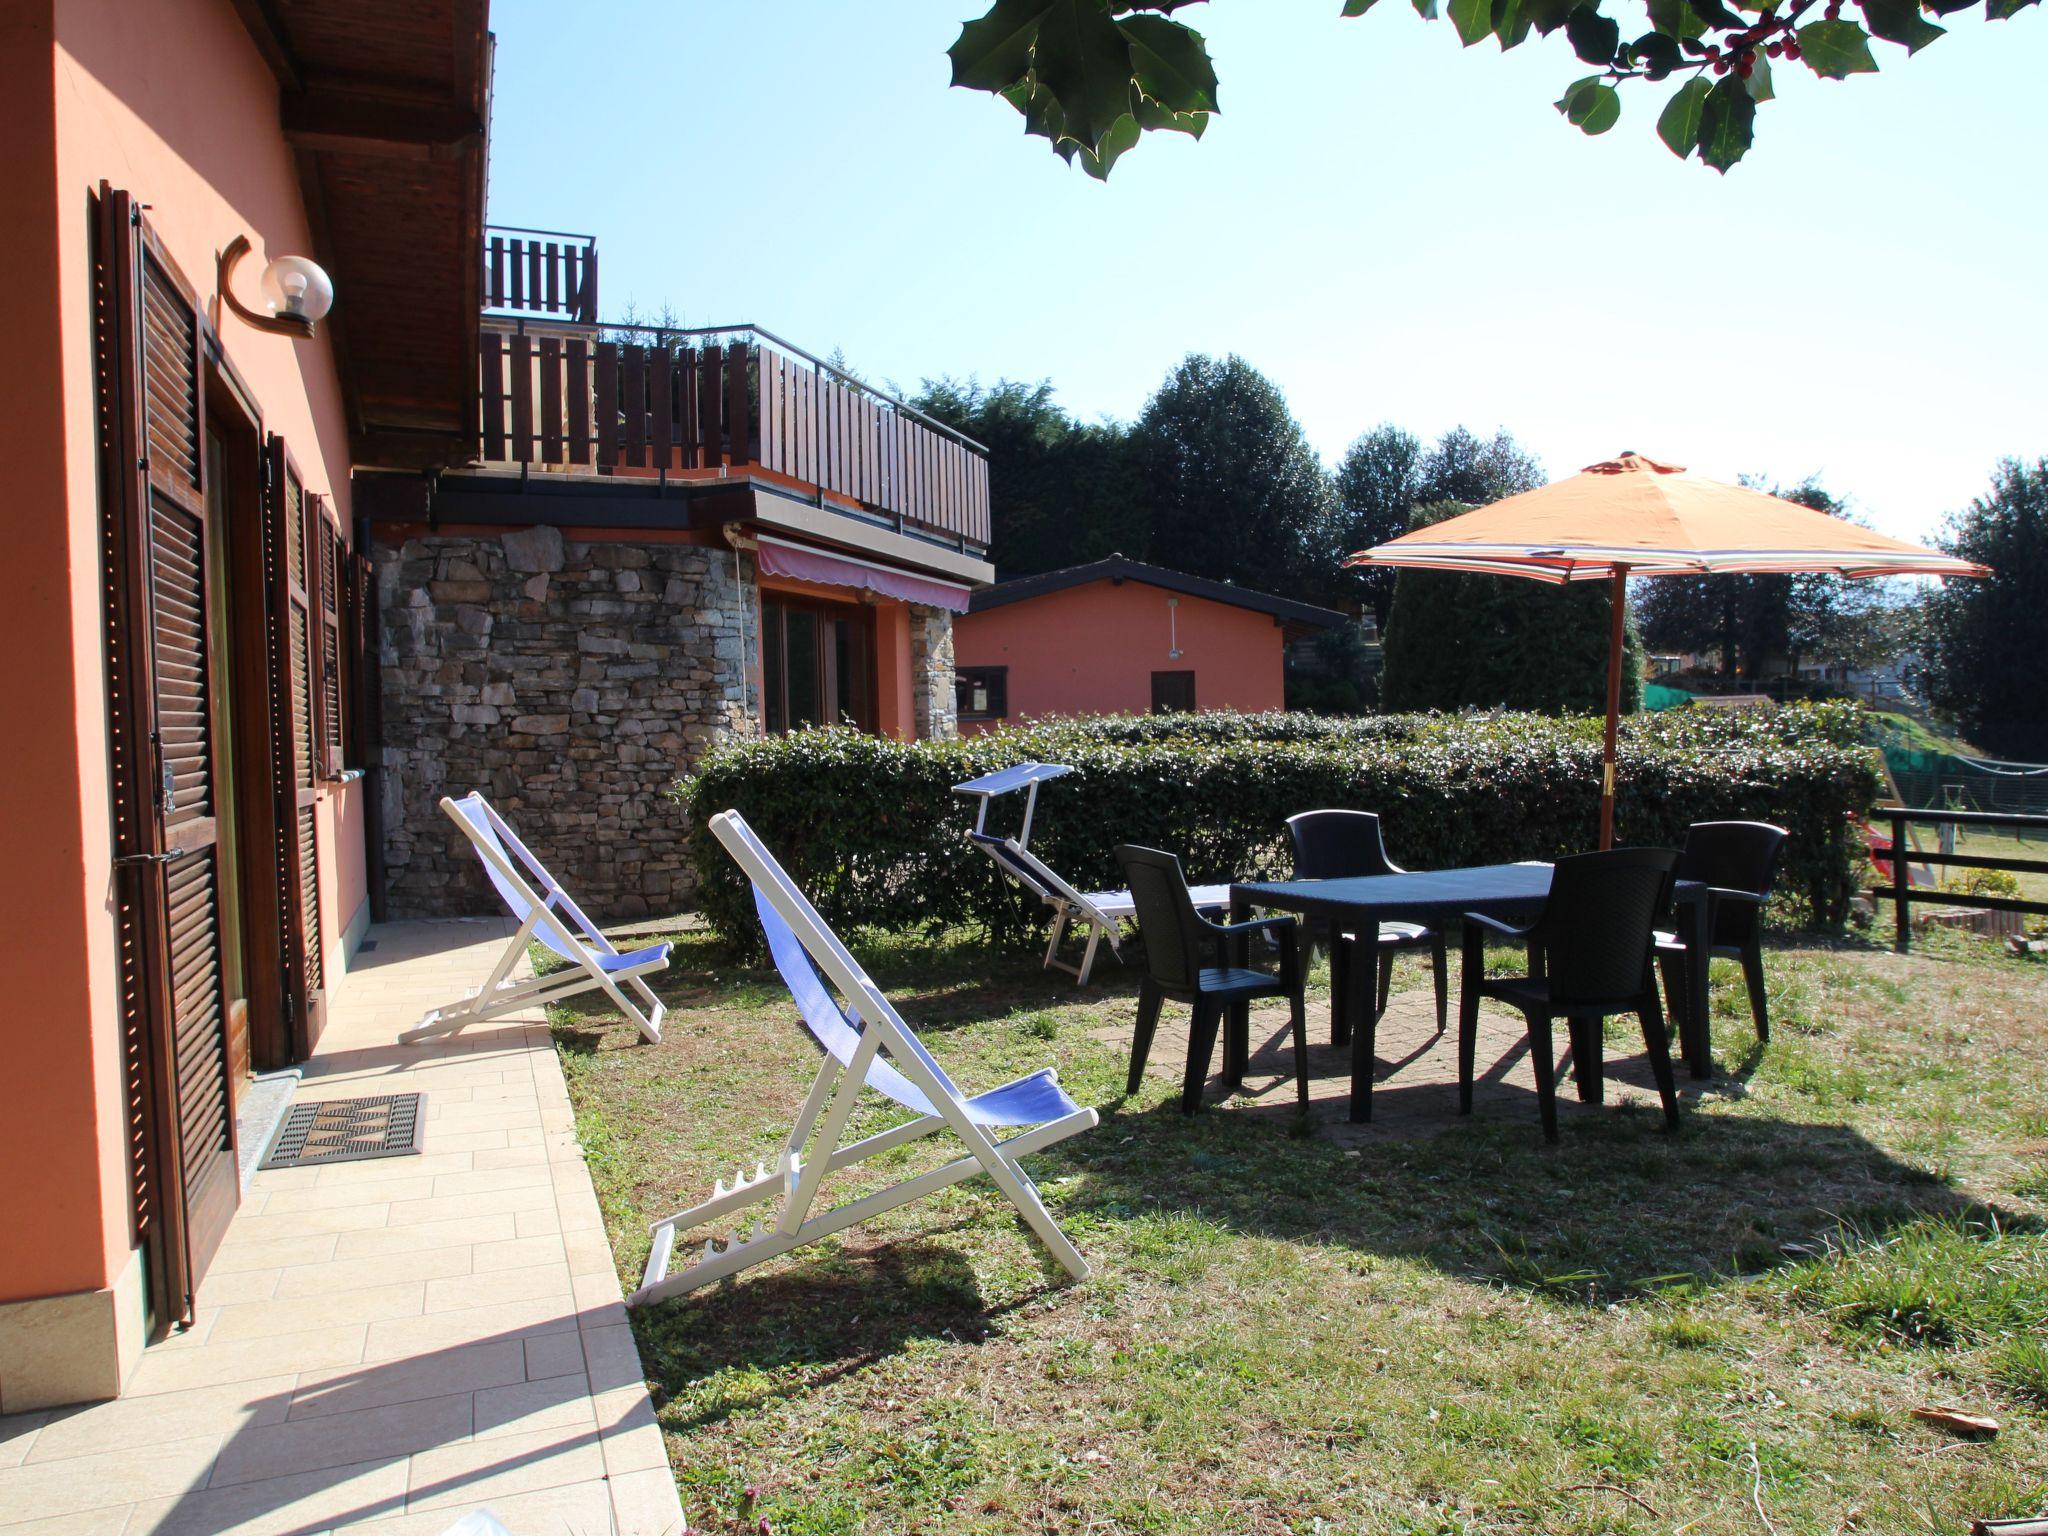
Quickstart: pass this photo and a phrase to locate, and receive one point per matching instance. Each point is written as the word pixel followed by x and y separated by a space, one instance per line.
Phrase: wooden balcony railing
pixel 540 272
pixel 641 400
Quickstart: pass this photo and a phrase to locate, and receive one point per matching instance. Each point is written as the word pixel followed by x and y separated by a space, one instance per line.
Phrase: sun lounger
pixel 867 1047
pixel 545 912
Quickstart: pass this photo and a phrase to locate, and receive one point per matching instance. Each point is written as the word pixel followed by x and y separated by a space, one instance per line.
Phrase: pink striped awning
pixel 802 563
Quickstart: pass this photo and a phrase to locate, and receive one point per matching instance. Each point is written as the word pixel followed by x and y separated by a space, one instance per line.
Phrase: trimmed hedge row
pixel 872 832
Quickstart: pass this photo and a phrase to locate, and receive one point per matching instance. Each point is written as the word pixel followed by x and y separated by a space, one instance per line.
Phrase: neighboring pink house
pixel 1121 637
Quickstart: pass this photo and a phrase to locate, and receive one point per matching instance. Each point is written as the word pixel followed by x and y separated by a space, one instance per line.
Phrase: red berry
pixel 1744 69
pixel 1720 66
pixel 1792 50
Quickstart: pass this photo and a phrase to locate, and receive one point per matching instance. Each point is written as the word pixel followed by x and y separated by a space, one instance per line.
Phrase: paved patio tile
pixel 380 1347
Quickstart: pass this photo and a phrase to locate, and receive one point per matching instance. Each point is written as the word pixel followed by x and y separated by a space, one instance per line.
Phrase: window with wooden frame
pixel 982 693
pixel 817 663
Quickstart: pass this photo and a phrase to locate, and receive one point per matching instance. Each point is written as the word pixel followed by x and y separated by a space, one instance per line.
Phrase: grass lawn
pixel 1722 1331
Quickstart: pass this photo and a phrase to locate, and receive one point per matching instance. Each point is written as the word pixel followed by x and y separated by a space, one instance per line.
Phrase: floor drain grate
pixel 348 1131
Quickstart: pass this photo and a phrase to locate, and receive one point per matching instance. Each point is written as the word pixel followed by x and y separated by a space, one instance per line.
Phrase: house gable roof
pixel 1286 611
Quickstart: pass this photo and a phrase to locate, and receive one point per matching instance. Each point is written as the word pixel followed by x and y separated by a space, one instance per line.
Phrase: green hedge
pixel 871 831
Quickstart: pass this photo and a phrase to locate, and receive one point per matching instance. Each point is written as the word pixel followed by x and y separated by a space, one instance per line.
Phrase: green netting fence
pixel 1945 781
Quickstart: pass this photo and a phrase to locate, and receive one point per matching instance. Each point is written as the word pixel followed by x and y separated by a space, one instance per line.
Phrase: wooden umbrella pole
pixel 1618 602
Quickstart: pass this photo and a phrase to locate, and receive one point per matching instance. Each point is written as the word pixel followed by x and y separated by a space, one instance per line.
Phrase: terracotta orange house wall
pixel 1092 650
pixel 167 100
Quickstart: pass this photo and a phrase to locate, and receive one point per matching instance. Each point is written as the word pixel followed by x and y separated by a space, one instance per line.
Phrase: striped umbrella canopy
pixel 1638 516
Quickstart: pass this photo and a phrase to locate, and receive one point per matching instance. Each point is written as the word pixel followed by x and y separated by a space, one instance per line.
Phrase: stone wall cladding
pixel 931 670
pixel 574 683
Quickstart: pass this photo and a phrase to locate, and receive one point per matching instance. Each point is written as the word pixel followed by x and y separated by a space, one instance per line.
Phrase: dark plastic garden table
pixel 1513 893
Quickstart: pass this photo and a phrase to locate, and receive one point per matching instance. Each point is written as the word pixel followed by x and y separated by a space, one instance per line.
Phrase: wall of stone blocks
pixel 573 682
pixel 931 672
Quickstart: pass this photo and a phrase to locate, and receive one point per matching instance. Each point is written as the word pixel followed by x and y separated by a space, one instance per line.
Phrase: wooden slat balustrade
pixel 653 403
pixel 534 272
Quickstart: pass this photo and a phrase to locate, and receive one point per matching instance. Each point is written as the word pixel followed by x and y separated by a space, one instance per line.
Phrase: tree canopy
pixel 1237 493
pixel 1386 474
pixel 1061 492
pixel 1987 640
pixel 1093 76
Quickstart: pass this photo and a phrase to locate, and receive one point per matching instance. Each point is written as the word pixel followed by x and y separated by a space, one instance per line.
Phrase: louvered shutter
pixel 162 723
pixel 332 563
pixel 293 563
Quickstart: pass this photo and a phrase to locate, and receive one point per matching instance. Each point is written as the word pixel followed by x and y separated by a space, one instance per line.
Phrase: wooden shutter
pixel 162 727
pixel 332 566
pixel 292 559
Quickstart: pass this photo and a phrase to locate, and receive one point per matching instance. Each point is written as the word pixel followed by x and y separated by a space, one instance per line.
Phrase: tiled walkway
pixel 383 1346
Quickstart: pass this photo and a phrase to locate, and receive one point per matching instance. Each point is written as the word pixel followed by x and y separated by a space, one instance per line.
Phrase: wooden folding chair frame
pixel 580 943
pixel 795 1180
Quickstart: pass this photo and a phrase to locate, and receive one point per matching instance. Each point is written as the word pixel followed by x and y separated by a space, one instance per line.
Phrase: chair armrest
pixel 1720 893
pixel 1479 920
pixel 1248 926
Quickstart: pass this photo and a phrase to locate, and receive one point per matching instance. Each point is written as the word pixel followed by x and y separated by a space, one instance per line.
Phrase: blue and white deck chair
pixel 1103 912
pixel 545 912
pixel 867 1047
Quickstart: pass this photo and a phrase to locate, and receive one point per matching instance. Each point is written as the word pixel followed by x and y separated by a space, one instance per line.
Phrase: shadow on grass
pixel 791 1330
pixel 1619 1208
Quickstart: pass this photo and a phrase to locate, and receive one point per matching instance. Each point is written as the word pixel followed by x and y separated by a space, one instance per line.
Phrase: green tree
pixel 1061 492
pixel 1386 474
pixel 1481 642
pixel 1987 640
pixel 1379 481
pixel 1466 467
pixel 1236 492
pixel 1092 76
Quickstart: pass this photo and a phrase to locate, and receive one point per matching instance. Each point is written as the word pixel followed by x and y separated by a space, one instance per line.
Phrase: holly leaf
pixel 1835 50
pixel 1360 7
pixel 1083 58
pixel 1658 53
pixel 1676 18
pixel 995 50
pixel 1759 81
pixel 1678 125
pixel 1041 109
pixel 1591 105
pixel 1593 37
pixel 1548 15
pixel 1511 23
pixel 2005 10
pixel 1715 15
pixel 1473 19
pixel 1151 114
pixel 1122 135
pixel 1171 62
pixel 1900 21
pixel 1727 124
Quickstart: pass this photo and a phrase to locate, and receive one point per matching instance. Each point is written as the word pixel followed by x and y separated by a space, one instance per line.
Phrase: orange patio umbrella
pixel 1634 516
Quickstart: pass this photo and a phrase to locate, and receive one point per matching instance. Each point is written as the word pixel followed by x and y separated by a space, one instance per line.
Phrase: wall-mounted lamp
pixel 297 292
pixel 1173 629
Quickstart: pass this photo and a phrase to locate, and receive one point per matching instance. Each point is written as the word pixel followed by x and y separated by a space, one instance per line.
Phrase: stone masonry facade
pixel 931 674
pixel 573 683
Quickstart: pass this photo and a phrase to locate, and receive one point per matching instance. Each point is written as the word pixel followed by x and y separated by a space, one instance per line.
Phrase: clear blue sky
pixel 1391 228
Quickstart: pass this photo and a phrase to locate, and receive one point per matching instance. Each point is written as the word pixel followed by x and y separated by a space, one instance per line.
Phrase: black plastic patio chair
pixel 1737 862
pixel 1340 845
pixel 1589 957
pixel 1177 941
